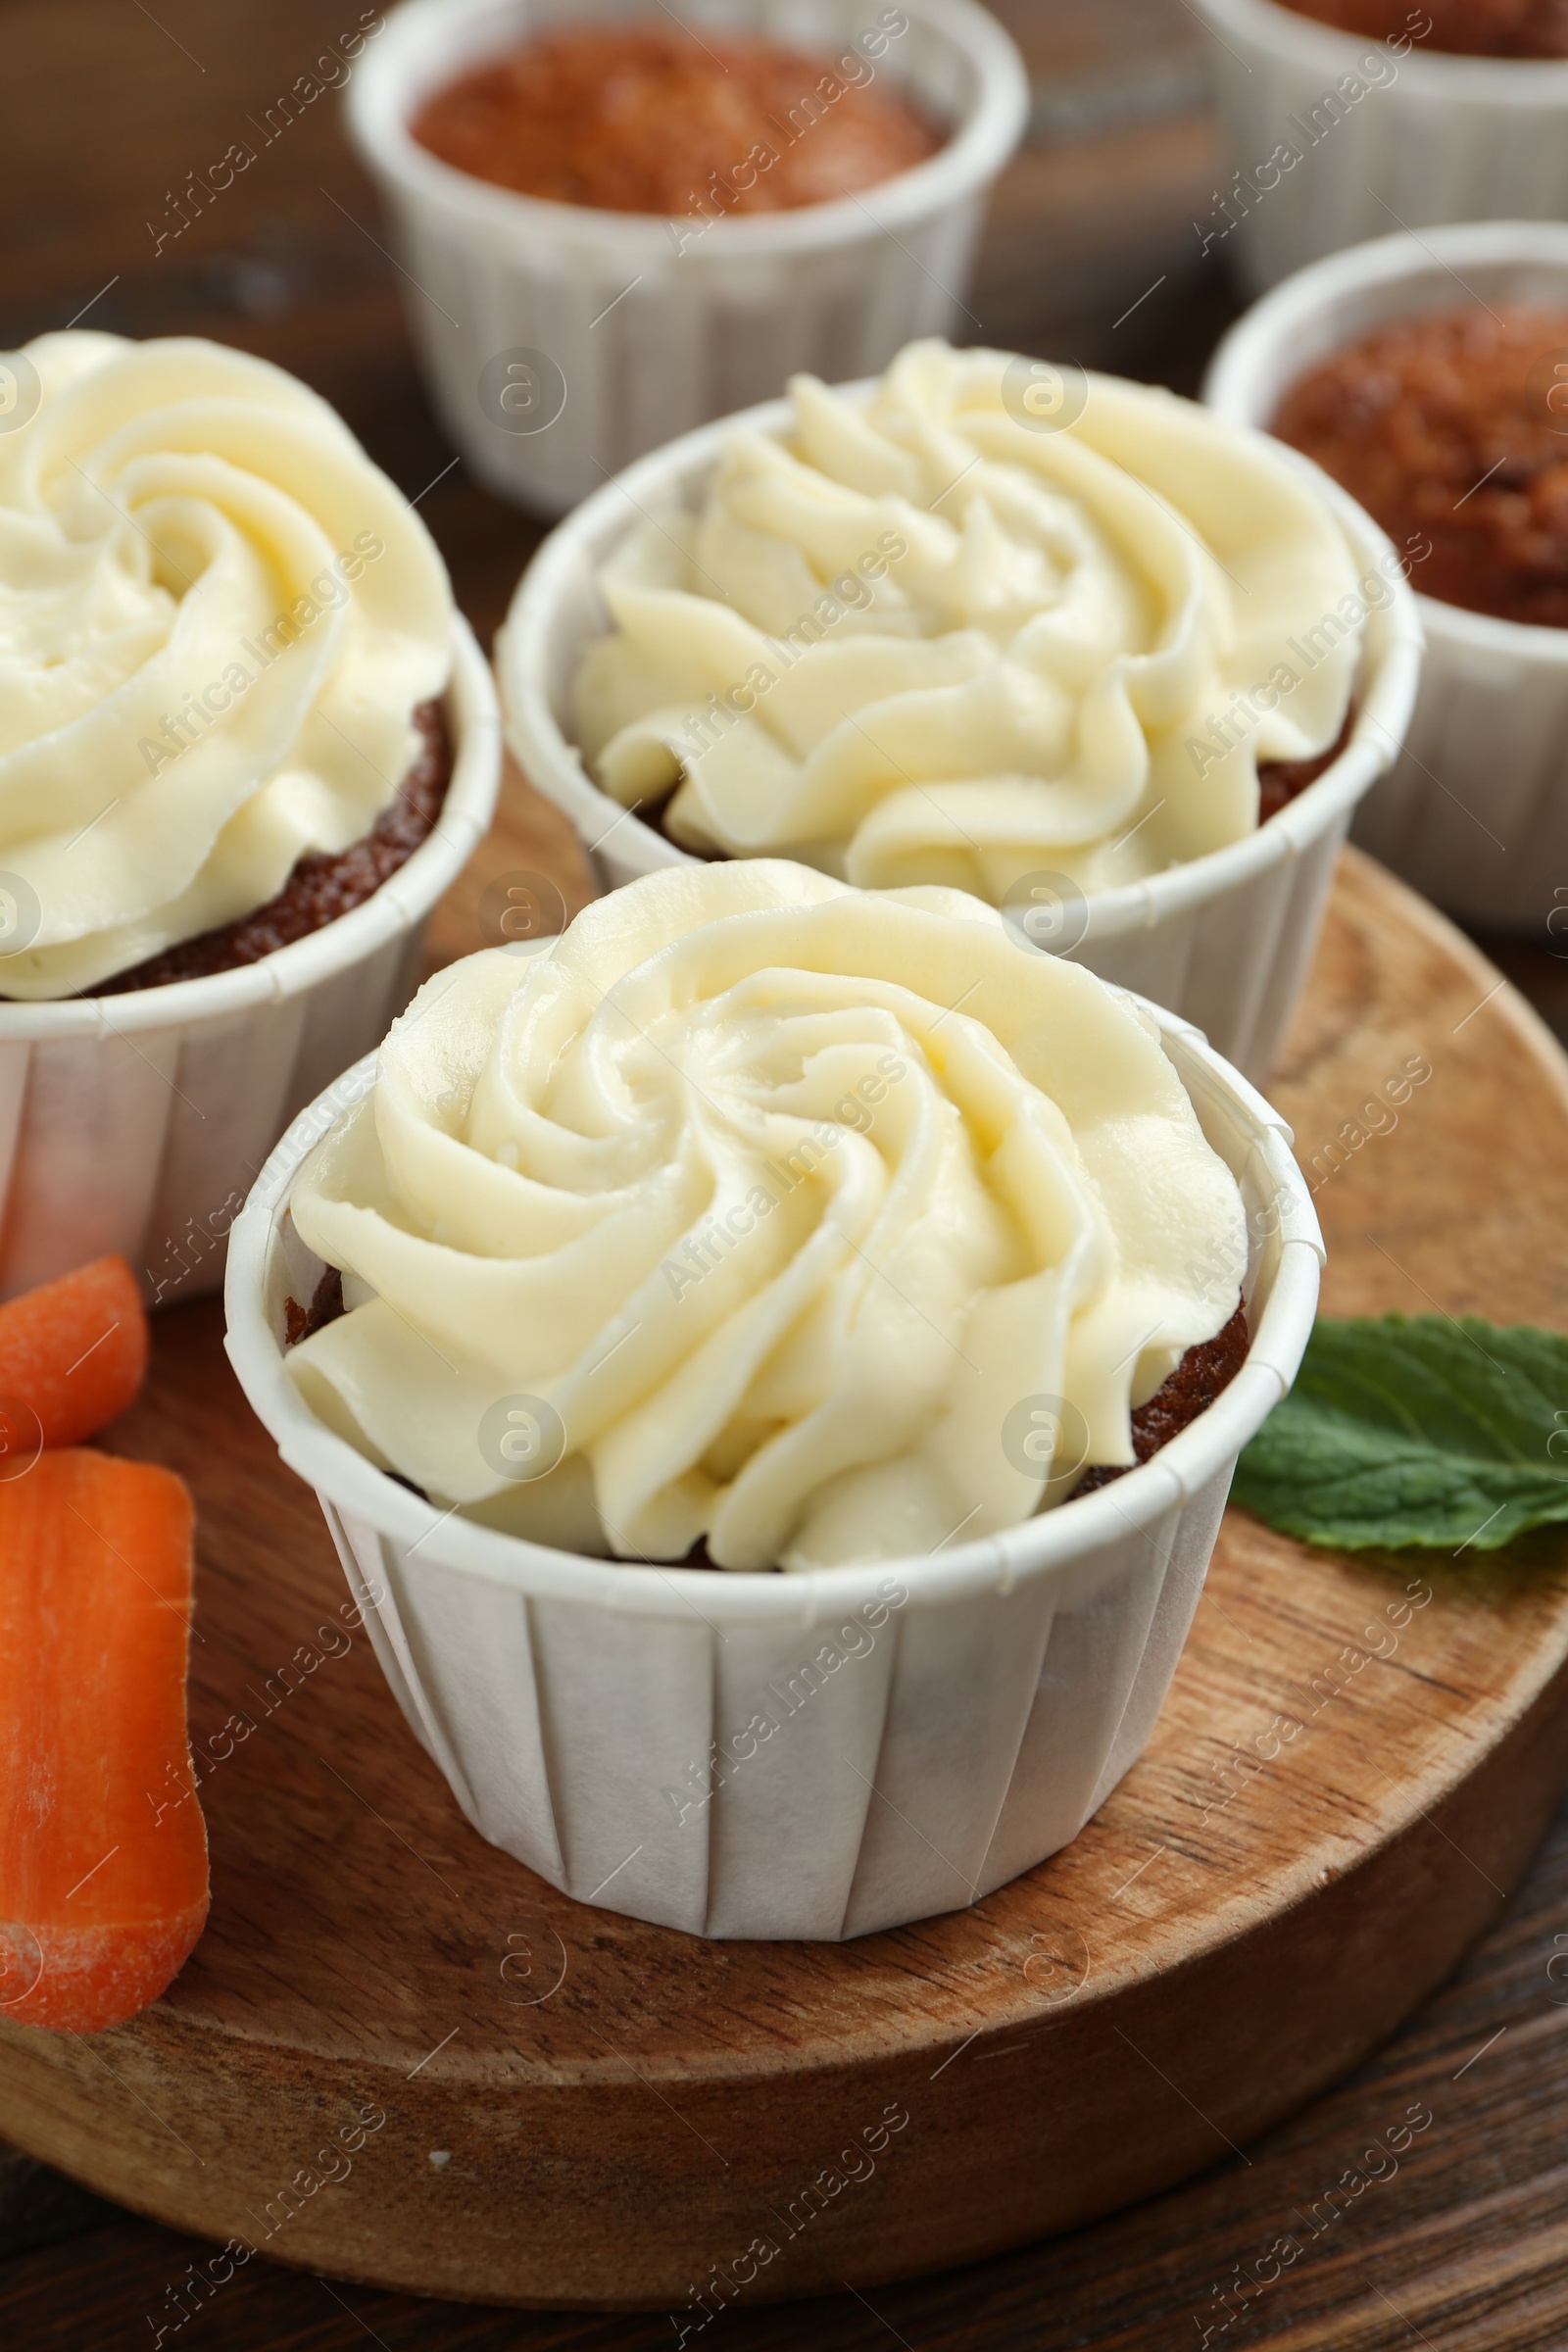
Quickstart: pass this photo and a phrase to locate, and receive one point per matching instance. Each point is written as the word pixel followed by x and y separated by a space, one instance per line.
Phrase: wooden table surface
pixel 105 107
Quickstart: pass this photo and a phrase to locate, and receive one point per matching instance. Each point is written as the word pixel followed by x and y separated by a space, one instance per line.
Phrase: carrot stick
pixel 72 1354
pixel 103 1849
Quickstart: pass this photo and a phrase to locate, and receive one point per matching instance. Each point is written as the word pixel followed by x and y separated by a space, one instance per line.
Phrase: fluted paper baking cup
pixel 140 1122
pixel 1475 812
pixel 559 341
pixel 1224 940
pixel 1379 137
pixel 815 1755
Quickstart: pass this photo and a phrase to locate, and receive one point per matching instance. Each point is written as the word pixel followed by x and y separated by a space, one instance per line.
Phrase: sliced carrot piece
pixel 72 1354
pixel 103 1849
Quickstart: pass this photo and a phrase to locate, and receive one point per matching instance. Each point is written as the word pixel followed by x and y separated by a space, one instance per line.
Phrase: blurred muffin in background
pixel 645 118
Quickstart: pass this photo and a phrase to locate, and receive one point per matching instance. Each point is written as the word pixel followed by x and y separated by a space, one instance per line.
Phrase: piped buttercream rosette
pixel 942 634
pixel 749 1213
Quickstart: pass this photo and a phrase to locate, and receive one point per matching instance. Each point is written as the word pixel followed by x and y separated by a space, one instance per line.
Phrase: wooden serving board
pixel 576 2108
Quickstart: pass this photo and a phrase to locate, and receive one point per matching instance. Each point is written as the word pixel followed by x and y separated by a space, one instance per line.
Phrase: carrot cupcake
pixel 245 741
pixel 765 1223
pixel 223 622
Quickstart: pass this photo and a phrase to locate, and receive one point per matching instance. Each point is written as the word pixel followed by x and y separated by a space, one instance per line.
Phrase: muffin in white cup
pixel 246 744
pixel 765 1224
pixel 1049 637
pixel 562 340
pixel 1467 440
pixel 1337 135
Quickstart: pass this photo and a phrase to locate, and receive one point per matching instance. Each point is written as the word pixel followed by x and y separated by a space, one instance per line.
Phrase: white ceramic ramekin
pixel 601 1723
pixel 618 335
pixel 1224 940
pixel 140 1122
pixel 1430 137
pixel 1475 812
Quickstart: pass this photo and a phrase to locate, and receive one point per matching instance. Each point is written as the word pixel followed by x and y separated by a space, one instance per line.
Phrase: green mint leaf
pixel 1414 1430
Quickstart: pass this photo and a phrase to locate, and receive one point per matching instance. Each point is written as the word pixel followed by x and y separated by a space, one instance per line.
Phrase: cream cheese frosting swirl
pixel 216 619
pixel 916 638
pixel 751 1213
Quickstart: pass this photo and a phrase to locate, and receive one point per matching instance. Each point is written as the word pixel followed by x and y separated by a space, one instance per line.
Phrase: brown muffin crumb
pixel 1452 425
pixel 1459 28
pixel 1190 1389
pixel 648 119
pixel 1279 781
pixel 300 1322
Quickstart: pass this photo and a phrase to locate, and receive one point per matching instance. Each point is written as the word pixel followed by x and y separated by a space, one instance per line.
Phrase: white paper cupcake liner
pixel 618 336
pixel 139 1123
pixel 1475 812
pixel 1430 138
pixel 603 1724
pixel 1225 940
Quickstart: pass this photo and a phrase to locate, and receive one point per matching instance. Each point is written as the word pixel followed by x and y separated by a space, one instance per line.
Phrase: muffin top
pixel 1451 426
pixel 648 119
pixel 994 620
pixel 1460 27
pixel 216 619
pixel 814 1225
